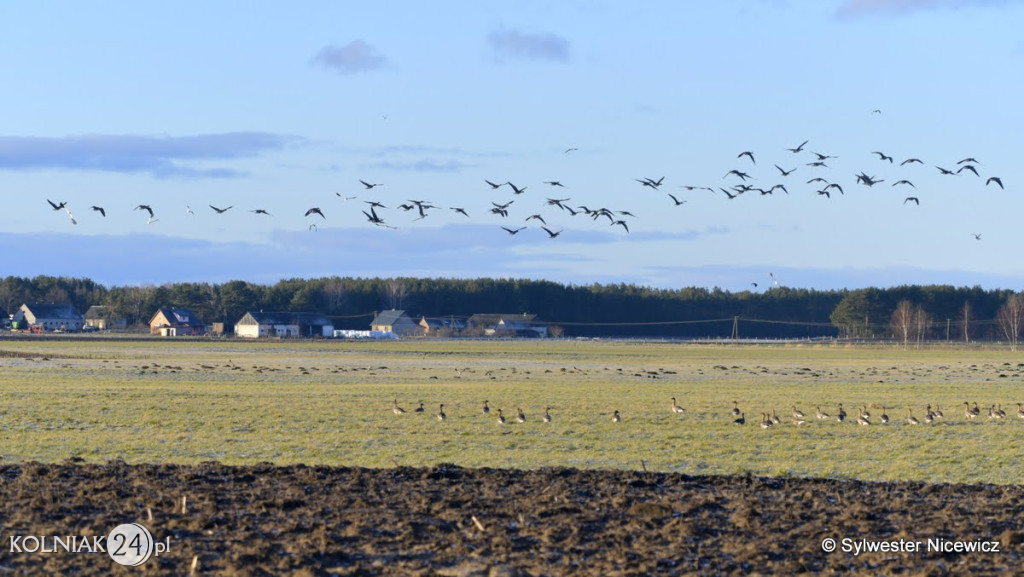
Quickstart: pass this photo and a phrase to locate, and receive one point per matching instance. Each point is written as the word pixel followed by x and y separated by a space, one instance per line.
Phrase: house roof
pixel 289 318
pixel 390 317
pixel 52 311
pixel 179 317
pixel 98 312
pixel 490 320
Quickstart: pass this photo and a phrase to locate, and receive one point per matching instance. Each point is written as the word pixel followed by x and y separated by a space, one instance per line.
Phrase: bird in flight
pixel 911 161
pixel 969 167
pixel 742 175
pixel 100 210
pixel 516 190
pixel 554 183
pixel 912 198
pixel 944 171
pixel 494 186
pixel 146 208
pixel 536 217
pixel 904 182
pixel 621 223
pixel 551 233
pixel 798 148
pixel 461 211
pixel 785 172
pixel 649 182
pixel 748 154
pixel 996 180
pixel 676 200
pixel 883 156
pixel 513 231
pixel 188 210
pixel 57 206
pixel 345 198
pixel 867 180
pixel 220 210
pixel 151 220
pixel 369 185
pixel 968 159
pixel 71 216
pixel 823 157
pixel 260 211
pixel 570 149
pixel 316 210
pixel 976 235
pixel 818 164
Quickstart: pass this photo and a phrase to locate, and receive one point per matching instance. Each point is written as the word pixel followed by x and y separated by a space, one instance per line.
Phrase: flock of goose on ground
pixel 768 420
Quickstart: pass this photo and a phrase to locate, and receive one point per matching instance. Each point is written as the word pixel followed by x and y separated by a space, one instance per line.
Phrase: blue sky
pixel 260 105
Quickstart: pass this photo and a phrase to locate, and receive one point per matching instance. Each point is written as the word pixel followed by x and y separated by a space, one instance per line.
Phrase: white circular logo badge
pixel 130 544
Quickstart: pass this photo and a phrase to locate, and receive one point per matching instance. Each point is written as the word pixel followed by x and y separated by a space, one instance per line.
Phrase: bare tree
pixel 334 294
pixel 965 321
pixel 396 291
pixel 922 323
pixel 1010 318
pixel 902 322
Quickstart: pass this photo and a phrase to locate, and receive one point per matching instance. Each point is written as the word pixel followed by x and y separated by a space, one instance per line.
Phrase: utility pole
pixel 735 327
pixel 947 330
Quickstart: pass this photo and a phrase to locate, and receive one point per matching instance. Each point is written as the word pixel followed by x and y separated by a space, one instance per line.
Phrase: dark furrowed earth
pixel 447 520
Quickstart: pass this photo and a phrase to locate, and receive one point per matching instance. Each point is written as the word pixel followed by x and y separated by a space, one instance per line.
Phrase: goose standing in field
pixel 741 420
pixel 862 420
pixel 501 418
pixel 486 409
pixel 911 419
pixel 398 410
pixel 616 417
pixel 520 415
pixel 938 413
pixel 797 413
pixel 775 418
pixel 822 415
pixel 841 414
pixel 736 409
pixel 419 409
pixel 547 415
pixel 884 418
pixel 676 408
pixel 440 415
pixel 766 421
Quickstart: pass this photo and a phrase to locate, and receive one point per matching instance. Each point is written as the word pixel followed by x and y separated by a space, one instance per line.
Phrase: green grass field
pixel 330 402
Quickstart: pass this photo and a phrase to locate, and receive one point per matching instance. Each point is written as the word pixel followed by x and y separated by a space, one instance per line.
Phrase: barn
pixel 254 325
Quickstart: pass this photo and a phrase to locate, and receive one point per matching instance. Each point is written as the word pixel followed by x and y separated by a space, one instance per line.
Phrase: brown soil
pixel 267 520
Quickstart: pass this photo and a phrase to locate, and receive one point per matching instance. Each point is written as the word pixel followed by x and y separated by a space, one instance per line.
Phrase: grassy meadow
pixel 330 402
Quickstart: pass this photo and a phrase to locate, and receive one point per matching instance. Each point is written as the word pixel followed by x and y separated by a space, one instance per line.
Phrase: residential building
pixel 103 318
pixel 397 322
pixel 507 325
pixel 173 321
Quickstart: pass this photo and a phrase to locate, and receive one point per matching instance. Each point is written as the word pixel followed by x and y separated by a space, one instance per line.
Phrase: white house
pixel 259 324
pixel 50 317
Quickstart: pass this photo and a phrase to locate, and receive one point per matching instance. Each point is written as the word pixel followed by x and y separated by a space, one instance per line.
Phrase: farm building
pixel 283 324
pixel 50 317
pixel 443 325
pixel 103 318
pixel 397 322
pixel 172 321
pixel 507 325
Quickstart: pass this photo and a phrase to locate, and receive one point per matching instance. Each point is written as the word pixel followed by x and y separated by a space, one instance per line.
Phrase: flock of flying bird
pixel 768 420
pixel 782 177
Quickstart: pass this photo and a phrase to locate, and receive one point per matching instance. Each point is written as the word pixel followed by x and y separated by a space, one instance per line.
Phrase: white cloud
pixel 515 44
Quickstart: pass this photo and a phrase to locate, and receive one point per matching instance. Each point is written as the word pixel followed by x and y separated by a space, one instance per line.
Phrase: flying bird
pixel 71 216
pixel 570 149
pixel 516 190
pixel 100 210
pixel 554 183
pixel 551 233
pixel 944 171
pixel 968 159
pixel 883 156
pixel 976 235
pixel 969 167
pixel 621 223
pixel 785 172
pixel 188 210
pixel 907 182
pixel 912 198
pixel 798 148
pixel 146 208
pixel 345 198
pixel 742 175
pixel 55 205
pixel 996 180
pixel 536 217
pixel 911 161
pixel 748 154
pixel 513 231
pixel 315 210
pixel 494 186
pixel 823 157
pixel 461 211
pixel 220 210
pixel 369 185
pixel 259 211
pixel 649 182
pixel 676 200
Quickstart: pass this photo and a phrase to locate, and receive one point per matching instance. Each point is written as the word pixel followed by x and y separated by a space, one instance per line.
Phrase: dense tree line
pixel 613 310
